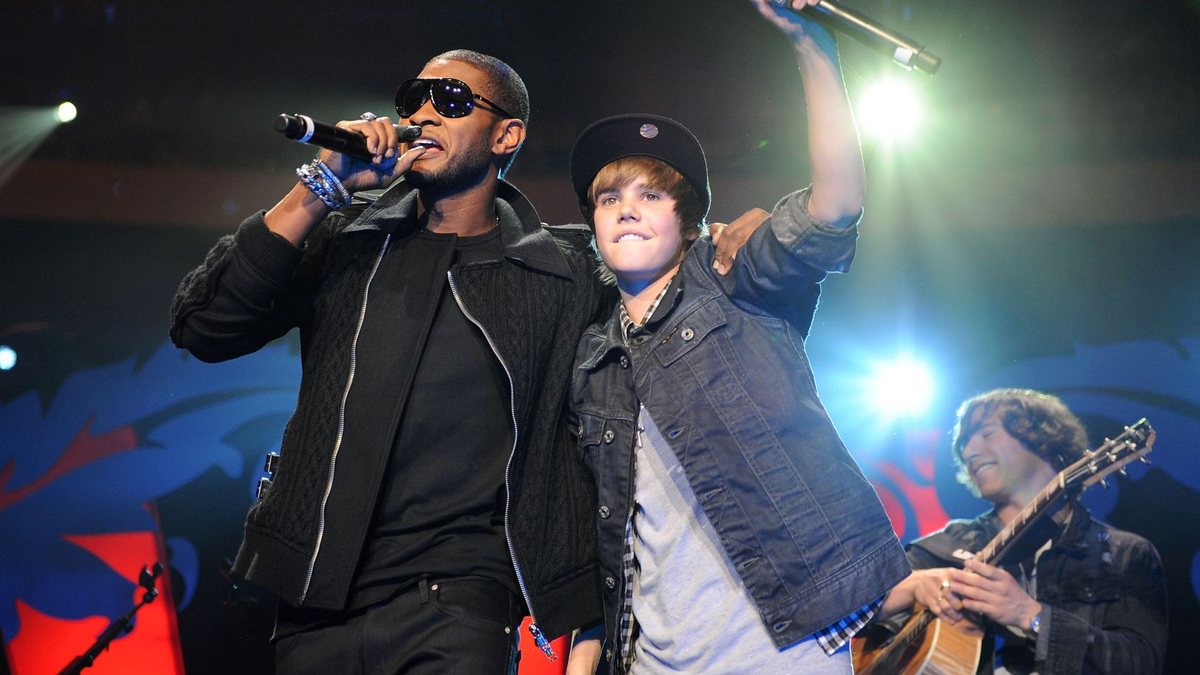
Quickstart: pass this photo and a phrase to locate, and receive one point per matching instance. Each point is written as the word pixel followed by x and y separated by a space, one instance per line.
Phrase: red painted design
pixel 47 644
pixel 83 449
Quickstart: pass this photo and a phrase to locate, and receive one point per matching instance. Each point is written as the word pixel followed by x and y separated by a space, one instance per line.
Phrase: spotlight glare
pixel 8 357
pixel 66 112
pixel 902 388
pixel 890 110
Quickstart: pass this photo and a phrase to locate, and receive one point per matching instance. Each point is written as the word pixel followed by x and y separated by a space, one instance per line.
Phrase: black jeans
pixel 464 626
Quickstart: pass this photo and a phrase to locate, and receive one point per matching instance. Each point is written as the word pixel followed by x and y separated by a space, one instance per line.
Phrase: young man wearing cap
pixel 735 532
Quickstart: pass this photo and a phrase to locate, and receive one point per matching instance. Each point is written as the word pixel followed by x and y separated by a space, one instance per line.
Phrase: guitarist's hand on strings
pixel 929 587
pixel 993 593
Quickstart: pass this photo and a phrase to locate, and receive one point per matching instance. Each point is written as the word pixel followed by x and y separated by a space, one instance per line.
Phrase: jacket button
pixel 604 512
pixel 609 435
pixel 687 334
pixel 610 582
pixel 624 361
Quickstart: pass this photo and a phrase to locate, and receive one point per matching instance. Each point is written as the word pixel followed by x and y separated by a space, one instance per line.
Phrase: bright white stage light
pixel 902 388
pixel 8 357
pixel 66 112
pixel 890 110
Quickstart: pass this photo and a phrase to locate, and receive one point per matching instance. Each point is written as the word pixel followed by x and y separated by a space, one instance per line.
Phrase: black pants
pixel 457 626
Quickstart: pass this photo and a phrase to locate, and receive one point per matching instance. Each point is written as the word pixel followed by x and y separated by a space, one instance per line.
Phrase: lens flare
pixel 890 111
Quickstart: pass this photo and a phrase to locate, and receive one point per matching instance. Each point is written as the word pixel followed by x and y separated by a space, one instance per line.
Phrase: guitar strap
pixel 1026 544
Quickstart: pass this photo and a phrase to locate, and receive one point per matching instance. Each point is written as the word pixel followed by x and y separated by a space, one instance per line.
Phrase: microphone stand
pixel 122 625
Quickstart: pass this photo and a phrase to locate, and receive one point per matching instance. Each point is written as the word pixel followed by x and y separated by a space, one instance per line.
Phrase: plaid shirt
pixel 831 638
pixel 834 636
pixel 629 329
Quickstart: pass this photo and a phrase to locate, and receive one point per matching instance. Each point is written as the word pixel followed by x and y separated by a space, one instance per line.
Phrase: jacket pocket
pixel 1087 589
pixel 590 431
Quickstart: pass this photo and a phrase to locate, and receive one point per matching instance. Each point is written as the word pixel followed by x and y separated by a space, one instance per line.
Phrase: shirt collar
pixel 655 313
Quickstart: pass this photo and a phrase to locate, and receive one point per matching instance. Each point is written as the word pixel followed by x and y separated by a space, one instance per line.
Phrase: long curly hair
pixel 1041 422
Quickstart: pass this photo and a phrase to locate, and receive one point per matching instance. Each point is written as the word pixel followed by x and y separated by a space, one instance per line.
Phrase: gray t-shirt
pixel 693 613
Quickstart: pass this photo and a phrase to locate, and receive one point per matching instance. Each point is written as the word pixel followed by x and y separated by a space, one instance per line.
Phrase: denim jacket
pixel 726 379
pixel 1103 595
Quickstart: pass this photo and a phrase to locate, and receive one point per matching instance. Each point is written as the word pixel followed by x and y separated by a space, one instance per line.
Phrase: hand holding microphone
pixel 905 51
pixel 304 129
pixel 362 154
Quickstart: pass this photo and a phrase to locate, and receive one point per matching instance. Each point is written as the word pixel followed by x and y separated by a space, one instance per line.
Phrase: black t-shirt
pixel 441 507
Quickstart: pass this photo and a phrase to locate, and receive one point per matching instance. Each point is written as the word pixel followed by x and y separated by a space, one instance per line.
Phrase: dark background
pixel 1049 202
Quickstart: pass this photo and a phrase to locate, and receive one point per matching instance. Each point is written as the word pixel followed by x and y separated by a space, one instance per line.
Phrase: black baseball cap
pixel 639 134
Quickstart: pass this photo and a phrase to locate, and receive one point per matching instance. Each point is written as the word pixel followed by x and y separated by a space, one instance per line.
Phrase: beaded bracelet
pixel 321 181
pixel 308 176
pixel 333 180
pixel 316 183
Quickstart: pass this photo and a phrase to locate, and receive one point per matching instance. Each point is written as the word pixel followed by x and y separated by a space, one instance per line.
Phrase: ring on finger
pixel 367 117
pixel 945 585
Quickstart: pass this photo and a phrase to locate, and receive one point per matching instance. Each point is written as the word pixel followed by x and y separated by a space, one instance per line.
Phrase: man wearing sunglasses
pixel 427 493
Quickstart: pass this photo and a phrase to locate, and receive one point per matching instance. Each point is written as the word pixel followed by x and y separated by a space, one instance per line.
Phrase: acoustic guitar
pixel 927 645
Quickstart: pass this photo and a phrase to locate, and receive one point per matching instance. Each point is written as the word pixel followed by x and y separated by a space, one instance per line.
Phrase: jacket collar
pixel 610 335
pixel 525 239
pixel 602 339
pixel 1073 536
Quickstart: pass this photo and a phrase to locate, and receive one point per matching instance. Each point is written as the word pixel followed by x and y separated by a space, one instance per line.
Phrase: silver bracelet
pixel 331 179
pixel 320 180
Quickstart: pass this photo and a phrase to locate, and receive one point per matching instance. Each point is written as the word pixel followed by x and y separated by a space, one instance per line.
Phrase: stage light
pixel 66 112
pixel 22 130
pixel 8 357
pixel 903 387
pixel 889 110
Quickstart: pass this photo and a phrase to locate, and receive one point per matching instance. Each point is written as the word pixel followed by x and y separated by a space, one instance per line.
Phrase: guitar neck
pixel 917 648
pixel 1093 467
pixel 1018 525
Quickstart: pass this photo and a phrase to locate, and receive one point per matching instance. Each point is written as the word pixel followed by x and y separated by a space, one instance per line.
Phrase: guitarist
pixel 1070 595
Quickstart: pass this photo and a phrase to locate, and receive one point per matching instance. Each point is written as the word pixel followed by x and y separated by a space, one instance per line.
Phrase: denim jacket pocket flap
pixel 689 333
pixel 591 430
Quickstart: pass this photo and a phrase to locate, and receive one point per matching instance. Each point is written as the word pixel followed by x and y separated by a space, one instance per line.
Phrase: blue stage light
pixel 903 387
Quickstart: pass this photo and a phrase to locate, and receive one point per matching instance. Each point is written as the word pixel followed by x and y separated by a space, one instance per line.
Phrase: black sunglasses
pixel 451 98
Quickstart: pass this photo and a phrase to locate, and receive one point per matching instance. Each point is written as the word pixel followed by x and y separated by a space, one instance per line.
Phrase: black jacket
pixel 1102 590
pixel 303 538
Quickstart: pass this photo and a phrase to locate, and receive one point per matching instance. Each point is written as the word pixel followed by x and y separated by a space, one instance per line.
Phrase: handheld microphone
pixel 904 50
pixel 304 129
